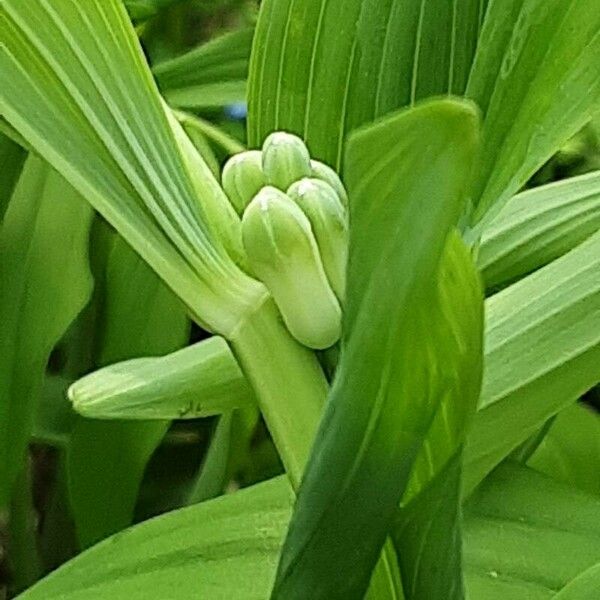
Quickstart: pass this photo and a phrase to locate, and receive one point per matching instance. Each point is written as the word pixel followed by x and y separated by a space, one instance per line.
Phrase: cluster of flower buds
pixel 295 233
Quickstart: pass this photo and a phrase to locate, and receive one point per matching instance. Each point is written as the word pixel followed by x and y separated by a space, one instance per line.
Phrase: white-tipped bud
pixel 329 223
pixel 283 253
pixel 326 173
pixel 285 159
pixel 242 178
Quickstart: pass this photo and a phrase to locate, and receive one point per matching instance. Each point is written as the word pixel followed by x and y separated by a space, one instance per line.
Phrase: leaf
pixel 75 84
pixel 570 451
pixel 225 549
pixel 194 79
pixel 146 9
pixel 106 460
pixel 528 536
pixel 12 159
pixel 198 381
pixel 321 68
pixel 537 83
pixel 368 439
pixel 538 226
pixel 542 352
pixel 44 283
pixel 583 587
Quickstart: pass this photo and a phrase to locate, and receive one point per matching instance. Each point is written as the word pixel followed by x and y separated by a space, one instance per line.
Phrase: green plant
pixel 416 338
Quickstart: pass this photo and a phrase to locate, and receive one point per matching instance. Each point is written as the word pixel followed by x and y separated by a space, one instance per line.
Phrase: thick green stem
pixel 291 390
pixel 288 382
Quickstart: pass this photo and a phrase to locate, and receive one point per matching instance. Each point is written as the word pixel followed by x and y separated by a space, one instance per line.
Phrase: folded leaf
pixel 198 381
pixel 537 226
pixel 537 84
pixel 542 351
pixel 44 283
pixel 396 366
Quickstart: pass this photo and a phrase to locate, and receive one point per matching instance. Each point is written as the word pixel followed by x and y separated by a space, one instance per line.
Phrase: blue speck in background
pixel 237 111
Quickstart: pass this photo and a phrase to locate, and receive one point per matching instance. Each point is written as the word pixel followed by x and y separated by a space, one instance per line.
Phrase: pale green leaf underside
pixel 227 549
pixel 538 226
pixel 199 381
pixel 44 283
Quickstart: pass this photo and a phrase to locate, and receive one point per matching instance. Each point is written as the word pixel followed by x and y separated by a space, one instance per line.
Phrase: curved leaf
pixel 403 206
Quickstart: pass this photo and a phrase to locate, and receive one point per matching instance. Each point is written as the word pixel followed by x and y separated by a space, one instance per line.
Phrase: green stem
pixel 291 390
pixel 288 382
pixel 24 557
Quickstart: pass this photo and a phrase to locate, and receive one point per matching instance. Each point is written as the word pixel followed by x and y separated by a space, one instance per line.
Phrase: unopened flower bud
pixel 329 223
pixel 326 173
pixel 283 253
pixel 242 178
pixel 285 159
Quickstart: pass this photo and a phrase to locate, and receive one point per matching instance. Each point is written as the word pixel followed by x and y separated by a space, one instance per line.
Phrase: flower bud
pixel 242 178
pixel 283 253
pixel 326 173
pixel 329 224
pixel 285 159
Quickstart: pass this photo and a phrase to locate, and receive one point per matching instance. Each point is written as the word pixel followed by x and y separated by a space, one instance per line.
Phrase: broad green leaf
pixel 75 84
pixel 542 351
pixel 198 381
pixel 528 536
pixel 570 451
pixel 537 226
pixel 225 549
pixel 106 460
pixel 44 283
pixel 195 79
pixel 536 79
pixel 584 587
pixel 403 205
pixel 321 68
pixel 12 159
